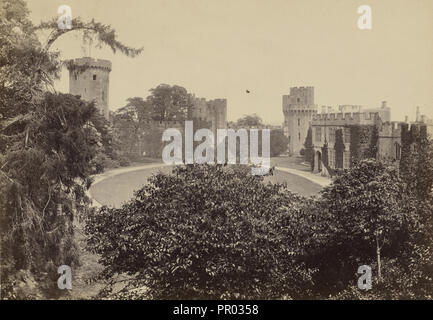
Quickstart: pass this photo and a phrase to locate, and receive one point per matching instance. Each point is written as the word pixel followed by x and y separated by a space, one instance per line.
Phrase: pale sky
pixel 220 48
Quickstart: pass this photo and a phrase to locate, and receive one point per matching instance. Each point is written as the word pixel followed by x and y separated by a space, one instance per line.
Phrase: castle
pixel 338 138
pixel 89 78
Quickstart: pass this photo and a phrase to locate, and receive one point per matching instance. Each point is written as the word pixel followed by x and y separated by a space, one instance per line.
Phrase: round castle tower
pixel 298 109
pixel 89 78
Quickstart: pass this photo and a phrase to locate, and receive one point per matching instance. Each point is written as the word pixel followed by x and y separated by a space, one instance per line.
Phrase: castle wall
pixel 389 142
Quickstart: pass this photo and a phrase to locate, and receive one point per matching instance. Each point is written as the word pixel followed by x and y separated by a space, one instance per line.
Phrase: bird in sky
pixel 247 91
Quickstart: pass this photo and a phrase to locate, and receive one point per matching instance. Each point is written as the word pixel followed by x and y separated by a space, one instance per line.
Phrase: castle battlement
pixel 390 129
pixel 89 63
pixel 301 90
pixel 218 103
pixel 296 110
pixel 299 96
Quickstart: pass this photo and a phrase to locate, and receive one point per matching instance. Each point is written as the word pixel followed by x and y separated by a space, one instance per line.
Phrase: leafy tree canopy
pixel 206 232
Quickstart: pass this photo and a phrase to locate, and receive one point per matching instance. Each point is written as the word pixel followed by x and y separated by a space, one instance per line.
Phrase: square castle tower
pixel 298 109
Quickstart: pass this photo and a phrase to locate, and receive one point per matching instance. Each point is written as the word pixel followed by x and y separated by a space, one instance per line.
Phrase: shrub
pixel 367 219
pixel 205 232
pixel 124 162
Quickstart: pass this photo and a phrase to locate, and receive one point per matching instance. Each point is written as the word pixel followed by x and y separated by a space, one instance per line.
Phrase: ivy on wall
pixel 308 147
pixel 406 141
pixel 371 151
pixel 416 166
pixel 363 142
pixel 325 159
pixel 354 143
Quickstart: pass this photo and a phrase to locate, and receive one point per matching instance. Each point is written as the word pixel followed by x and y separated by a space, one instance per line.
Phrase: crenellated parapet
pixel 299 111
pixel 301 96
pixel 390 129
pixel 217 104
pixel 88 62
pixel 213 112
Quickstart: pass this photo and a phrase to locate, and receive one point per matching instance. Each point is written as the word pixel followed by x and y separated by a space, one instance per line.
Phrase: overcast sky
pixel 221 48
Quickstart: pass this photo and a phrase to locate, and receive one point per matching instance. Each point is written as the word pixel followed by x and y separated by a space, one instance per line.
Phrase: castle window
pixel 94 77
pixel 76 77
pixel 346 159
pixel 103 96
pixel 299 136
pixel 299 122
pixel 346 135
pixel 298 99
pixel 331 134
pixel 318 136
pixel 331 158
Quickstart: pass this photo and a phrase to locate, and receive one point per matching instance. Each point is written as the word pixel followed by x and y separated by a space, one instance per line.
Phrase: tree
pixel 279 143
pixel 131 123
pixel 139 119
pixel 416 170
pixel 205 231
pixel 47 142
pixel 247 121
pixel 170 102
pixel 365 214
pixel 417 161
pixel 44 177
pixel 308 148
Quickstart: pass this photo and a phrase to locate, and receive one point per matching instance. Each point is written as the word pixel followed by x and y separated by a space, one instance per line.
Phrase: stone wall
pixel 89 78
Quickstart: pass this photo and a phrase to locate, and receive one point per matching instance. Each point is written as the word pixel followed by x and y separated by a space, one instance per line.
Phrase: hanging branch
pixel 105 35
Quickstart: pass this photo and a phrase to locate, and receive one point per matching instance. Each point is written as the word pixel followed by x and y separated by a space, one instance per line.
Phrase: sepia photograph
pixel 229 151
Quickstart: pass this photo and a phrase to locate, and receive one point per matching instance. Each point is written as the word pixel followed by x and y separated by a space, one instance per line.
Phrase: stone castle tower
pixel 89 78
pixel 298 109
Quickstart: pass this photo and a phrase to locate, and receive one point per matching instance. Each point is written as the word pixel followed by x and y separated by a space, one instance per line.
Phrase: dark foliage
pixel 206 232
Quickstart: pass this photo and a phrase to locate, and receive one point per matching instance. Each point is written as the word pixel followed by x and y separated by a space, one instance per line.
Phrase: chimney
pixel 383 104
pixel 417 114
pixel 406 119
pixel 329 109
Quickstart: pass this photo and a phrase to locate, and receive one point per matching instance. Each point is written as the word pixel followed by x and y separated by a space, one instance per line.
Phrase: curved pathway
pixel 315 178
pixel 116 186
